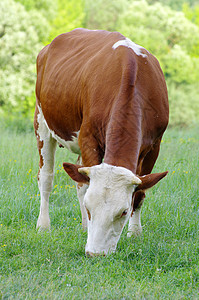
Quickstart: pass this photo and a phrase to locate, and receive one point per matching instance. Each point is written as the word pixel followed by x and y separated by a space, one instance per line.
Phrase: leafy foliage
pixel 20 36
pixel 191 13
pixel 46 7
pixel 174 4
pixel 69 15
pixel 103 14
pixel 184 103
pixel 172 36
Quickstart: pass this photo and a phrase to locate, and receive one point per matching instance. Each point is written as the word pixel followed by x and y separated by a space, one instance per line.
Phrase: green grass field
pixel 161 264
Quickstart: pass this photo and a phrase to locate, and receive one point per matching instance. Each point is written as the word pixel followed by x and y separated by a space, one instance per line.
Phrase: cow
pixel 103 97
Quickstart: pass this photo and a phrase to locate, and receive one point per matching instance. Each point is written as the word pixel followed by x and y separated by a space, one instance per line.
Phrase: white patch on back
pixel 72 146
pixel 129 44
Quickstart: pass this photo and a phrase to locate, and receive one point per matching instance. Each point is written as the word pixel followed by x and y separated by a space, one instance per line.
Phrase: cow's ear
pixel 73 172
pixel 150 180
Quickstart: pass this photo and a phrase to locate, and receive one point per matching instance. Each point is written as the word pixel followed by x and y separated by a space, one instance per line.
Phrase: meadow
pixel 160 264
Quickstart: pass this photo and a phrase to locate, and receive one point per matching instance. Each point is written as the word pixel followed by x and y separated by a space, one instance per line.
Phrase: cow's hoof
pixel 43 225
pixel 42 229
pixel 134 231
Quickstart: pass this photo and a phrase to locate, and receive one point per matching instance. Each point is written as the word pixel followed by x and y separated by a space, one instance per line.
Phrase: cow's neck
pixel 123 137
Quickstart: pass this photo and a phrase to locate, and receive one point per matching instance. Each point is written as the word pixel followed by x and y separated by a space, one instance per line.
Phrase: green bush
pixel 103 14
pixel 184 103
pixel 47 7
pixel 20 41
pixel 69 15
pixel 16 123
pixel 172 36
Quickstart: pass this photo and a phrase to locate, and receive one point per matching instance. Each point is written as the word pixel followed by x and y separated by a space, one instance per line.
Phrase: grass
pixel 161 264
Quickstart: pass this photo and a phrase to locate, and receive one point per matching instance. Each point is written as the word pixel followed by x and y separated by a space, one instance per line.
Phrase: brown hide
pixel 115 98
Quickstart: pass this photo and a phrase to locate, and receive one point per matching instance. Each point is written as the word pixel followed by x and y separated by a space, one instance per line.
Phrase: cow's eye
pixel 124 213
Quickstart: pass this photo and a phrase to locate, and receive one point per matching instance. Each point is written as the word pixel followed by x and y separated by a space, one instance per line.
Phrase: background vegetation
pixel 167 28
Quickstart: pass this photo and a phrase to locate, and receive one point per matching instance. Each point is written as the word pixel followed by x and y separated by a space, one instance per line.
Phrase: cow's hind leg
pixel 135 227
pixel 46 146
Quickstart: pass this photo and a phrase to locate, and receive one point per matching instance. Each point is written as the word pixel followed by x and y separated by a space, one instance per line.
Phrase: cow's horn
pixel 136 180
pixel 84 170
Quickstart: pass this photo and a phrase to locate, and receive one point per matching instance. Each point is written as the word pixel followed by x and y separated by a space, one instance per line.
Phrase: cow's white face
pixel 108 202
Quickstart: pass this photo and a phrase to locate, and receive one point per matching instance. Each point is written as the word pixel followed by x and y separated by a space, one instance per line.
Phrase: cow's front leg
pixel 91 155
pixel 46 146
pixel 81 191
pixel 135 227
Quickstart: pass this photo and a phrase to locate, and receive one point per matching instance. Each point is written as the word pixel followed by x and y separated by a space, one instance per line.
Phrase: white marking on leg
pixel 46 174
pixel 135 227
pixel 129 44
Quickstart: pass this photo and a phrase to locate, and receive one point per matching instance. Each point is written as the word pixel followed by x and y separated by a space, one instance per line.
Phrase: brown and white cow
pixel 104 98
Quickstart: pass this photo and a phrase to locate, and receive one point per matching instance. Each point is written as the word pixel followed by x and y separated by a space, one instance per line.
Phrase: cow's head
pixel 108 201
